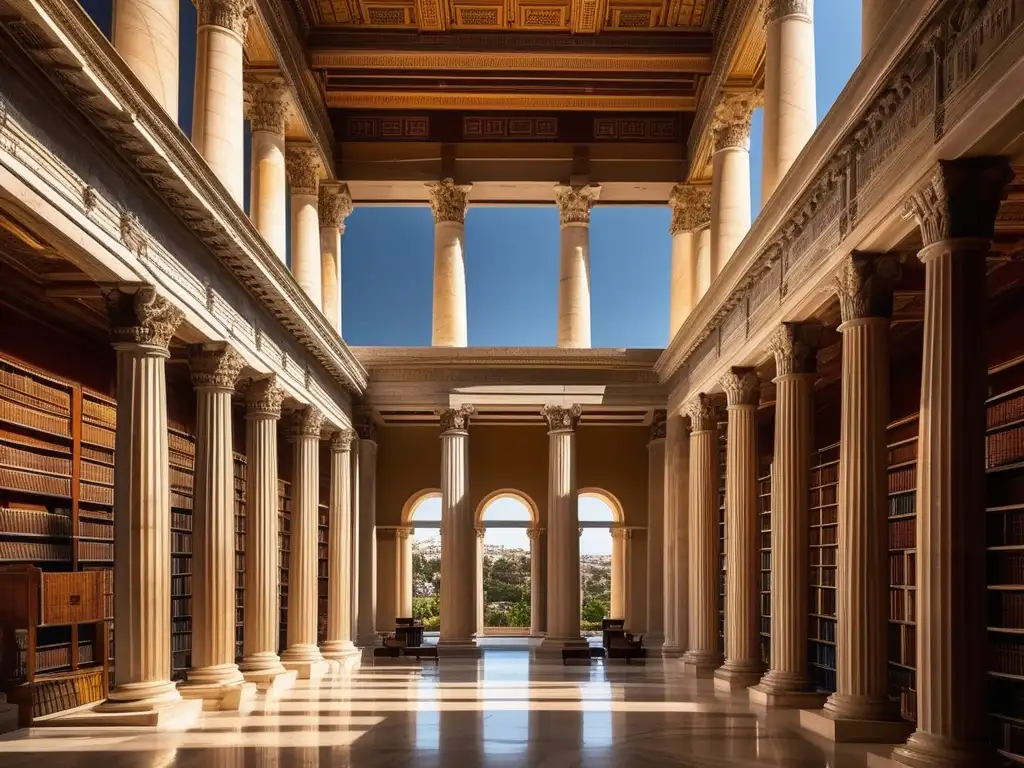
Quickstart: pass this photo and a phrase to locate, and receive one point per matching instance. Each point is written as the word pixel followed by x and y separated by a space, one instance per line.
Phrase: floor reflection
pixel 504 710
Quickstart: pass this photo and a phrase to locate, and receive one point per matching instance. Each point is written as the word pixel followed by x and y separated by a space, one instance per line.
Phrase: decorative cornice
pixel 232 15
pixel 864 285
pixel 574 203
pixel 703 413
pixel 795 348
pixel 691 208
pixel 543 61
pixel 560 418
pixel 659 425
pixel 307 422
pixel 448 200
pixel 266 106
pixel 742 387
pixel 303 166
pixel 779 9
pixel 364 424
pixel 455 419
pixel 142 316
pixel 731 123
pixel 334 204
pixel 214 366
pixel 263 398
pixel 506 101
pixel 960 200
pixel 341 441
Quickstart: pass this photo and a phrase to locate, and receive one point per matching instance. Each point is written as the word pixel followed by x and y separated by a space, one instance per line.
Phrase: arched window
pixel 505 554
pixel 602 558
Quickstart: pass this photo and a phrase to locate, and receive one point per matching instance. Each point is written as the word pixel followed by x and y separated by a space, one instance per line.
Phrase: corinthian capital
pixel 795 347
pixel 365 426
pixel 229 14
pixel 731 122
pixel 659 425
pixel 742 387
pixel 864 285
pixel 561 419
pixel 214 366
pixel 303 166
pixel 263 397
pixel 341 440
pixel 448 200
pixel 703 413
pixel 335 205
pixel 455 419
pixel 780 9
pixel 265 105
pixel 691 208
pixel 574 203
pixel 142 316
pixel 307 422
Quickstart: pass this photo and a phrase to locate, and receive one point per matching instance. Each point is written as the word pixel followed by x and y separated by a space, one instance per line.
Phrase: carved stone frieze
pixel 364 424
pixel 659 425
pixel 961 199
pixel 779 9
pixel 341 441
pixel 560 418
pixel 455 419
pixel 731 123
pixel 266 106
pixel 448 200
pixel 303 167
pixel 307 422
pixel 263 397
pixel 703 413
pixel 574 203
pixel 90 198
pixel 133 235
pixel 795 348
pixel 142 316
pixel 864 285
pixel 229 14
pixel 214 366
pixel 742 387
pixel 691 208
pixel 334 205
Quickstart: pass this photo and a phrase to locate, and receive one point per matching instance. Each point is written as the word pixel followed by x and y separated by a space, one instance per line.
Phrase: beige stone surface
pixel 574 264
pixel 730 177
pixel 265 102
pixel 657 573
pixel 303 176
pixel 145 34
pixel 366 609
pixel 448 202
pixel 338 643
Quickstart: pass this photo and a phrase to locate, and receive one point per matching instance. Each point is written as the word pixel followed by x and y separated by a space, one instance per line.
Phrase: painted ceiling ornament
pixel 229 14
pixel 574 203
pixel 265 105
pixel 334 205
pixel 691 208
pixel 448 200
pixel 341 440
pixel 864 285
pixel 703 413
pixel 303 166
pixel 455 419
pixel 742 386
pixel 364 424
pixel 731 121
pixel 214 366
pixel 795 348
pixel 659 425
pixel 142 316
pixel 562 419
pixel 307 422
pixel 779 9
pixel 264 397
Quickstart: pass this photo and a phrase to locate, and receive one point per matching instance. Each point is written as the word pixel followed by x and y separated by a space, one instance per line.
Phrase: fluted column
pixel 267 110
pixel 956 210
pixel 366 610
pixel 302 653
pixel 338 645
pixel 787 683
pixel 448 202
pixel 674 601
pixel 260 662
pixel 478 568
pixel 620 567
pixel 142 325
pixel 790 106
pixel 214 676
pixel 730 177
pixel 875 14
pixel 459 577
pixel 657 576
pixel 691 213
pixel 864 286
pixel 574 264
pixel 334 207
pixel 702 656
pixel 218 117
pixel 303 166
pixel 742 666
pixel 563 532
pixel 145 34
pixel 537 592
pixel 404 545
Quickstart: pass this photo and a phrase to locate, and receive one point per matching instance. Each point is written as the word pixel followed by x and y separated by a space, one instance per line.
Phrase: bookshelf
pixel 764 509
pixel 722 426
pixel 182 453
pixel 239 486
pixel 321 568
pixel 284 496
pixel 824 545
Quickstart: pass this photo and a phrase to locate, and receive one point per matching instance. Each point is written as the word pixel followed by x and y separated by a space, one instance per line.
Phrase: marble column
pixel 702 656
pixel 859 710
pixel 537 591
pixel 874 15
pixel 338 645
pixel 303 166
pixel 743 666
pixel 366 610
pixel 790 106
pixel 448 202
pixel 405 576
pixel 563 532
pixel 260 662
pixel 478 568
pixel 266 110
pixel 302 653
pixel 574 264
pixel 787 684
pixel 214 676
pixel 142 326
pixel 459 577
pixel 334 207
pixel 620 569
pixel 657 576
pixel 956 210
pixel 691 213
pixel 674 601
pixel 145 34
pixel 730 177
pixel 218 113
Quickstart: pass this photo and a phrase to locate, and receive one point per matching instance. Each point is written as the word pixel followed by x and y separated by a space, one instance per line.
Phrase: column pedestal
pixel 338 646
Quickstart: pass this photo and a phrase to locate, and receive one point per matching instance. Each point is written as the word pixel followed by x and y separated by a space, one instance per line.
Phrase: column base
pixel 466 649
pixel 551 647
pixel 308 670
pixel 701 664
pixel 343 655
pixel 763 696
pixel 272 683
pixel 731 678
pixel 850 731
pixel 215 697
pixel 261 663
pixel 371 640
pixel 924 750
pixel 221 674
pixel 176 715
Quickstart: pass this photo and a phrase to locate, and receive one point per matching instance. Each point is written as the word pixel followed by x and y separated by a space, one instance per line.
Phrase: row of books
pixel 33 522
pixel 98 411
pixel 181 624
pixel 181 480
pixel 1006 568
pixel 824 556
pixel 181 586
pixel 34 418
pixel 823 577
pixel 181 501
pixel 63 693
pixel 902 568
pixel 900 454
pixel 823 601
pixel 903 479
pixel 1007 610
pixel 59 656
pixel 181 606
pixel 1005 411
pixel 181 543
pixel 1006 529
pixel 766 604
pixel 95 551
pixel 766 625
pixel 34 483
pixel 902 534
pixel 20 458
pixel 1007 658
pixel 95 530
pixel 98 436
pixel 181 521
pixel 902 604
pixel 824 655
pixel 98 455
pixel 97 473
pixel 824 497
pixel 824 536
pixel 903 504
pixel 825 516
pixel 34 551
pixel 37 391
pixel 97 494
pixel 903 644
pixel 1006 447
pixel 826 475
pixel 822 629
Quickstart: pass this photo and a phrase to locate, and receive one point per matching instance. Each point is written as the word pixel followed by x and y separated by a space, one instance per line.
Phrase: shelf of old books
pixel 321 567
pixel 824 543
pixel 284 552
pixel 182 454
pixel 764 501
pixel 722 564
pixel 239 485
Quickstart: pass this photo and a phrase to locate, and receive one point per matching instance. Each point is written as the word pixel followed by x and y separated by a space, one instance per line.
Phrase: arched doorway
pixel 508 557
pixel 419 562
pixel 604 554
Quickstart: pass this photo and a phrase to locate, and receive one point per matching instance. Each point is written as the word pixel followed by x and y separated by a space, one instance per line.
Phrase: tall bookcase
pixel 764 499
pixel 824 544
pixel 182 453
pixel 321 569
pixel 284 496
pixel 722 564
pixel 239 483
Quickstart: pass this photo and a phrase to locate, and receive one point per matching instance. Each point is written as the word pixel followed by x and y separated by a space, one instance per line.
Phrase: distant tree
pixel 519 614
pixel 594 611
pixel 426 573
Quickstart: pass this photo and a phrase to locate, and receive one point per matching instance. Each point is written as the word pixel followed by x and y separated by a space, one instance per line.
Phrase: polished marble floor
pixel 504 710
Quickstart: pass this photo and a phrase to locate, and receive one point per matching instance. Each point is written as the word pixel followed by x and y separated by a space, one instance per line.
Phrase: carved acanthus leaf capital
pixel 703 413
pixel 691 208
pixel 341 441
pixel 622 534
pixel 659 425
pixel 214 366
pixel 303 166
pixel 534 534
pixel 864 285
pixel 731 122
pixel 334 205
pixel 403 533
pixel 795 347
pixel 780 9
pixel 263 397
pixel 480 533
pixel 142 317
pixel 960 200
pixel 574 203
pixel 742 387
pixel 364 424
pixel 448 200
pixel 455 419
pixel 562 419
pixel 229 14
pixel 265 105
pixel 307 422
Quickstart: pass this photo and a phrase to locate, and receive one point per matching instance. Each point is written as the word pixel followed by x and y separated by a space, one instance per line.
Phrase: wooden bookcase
pixel 322 569
pixel 284 550
pixel 764 500
pixel 239 483
pixel 182 452
pixel 824 545
pixel 722 564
